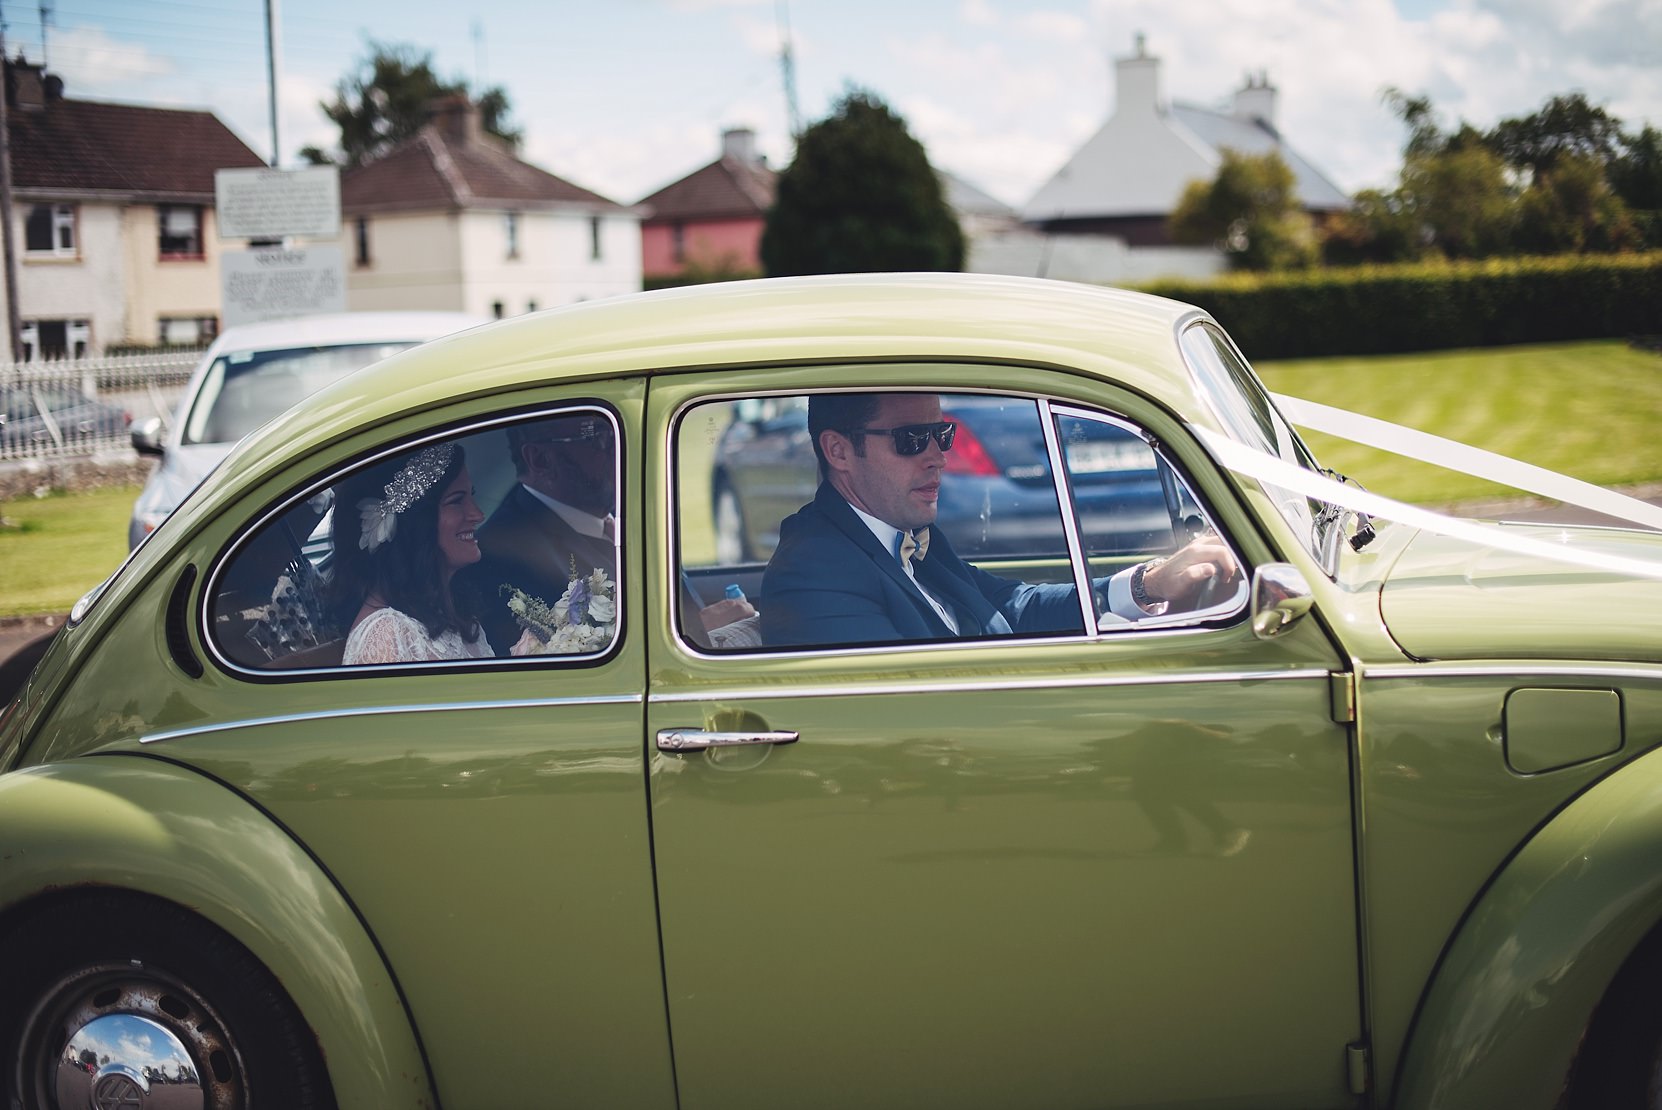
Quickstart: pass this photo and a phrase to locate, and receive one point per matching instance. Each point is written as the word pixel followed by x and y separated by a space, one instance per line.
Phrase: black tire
pixel 1620 1063
pixel 86 965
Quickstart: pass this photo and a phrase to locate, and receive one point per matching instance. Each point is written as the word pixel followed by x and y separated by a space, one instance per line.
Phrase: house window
pixel 510 230
pixel 49 229
pixel 497 310
pixel 360 228
pixel 186 331
pixel 594 237
pixel 50 339
pixel 678 241
pixel 180 230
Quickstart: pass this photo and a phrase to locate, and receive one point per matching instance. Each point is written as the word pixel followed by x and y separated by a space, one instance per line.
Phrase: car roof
pixel 341 327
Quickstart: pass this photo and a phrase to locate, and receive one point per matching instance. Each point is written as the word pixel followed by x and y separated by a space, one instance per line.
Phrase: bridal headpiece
pixel 379 518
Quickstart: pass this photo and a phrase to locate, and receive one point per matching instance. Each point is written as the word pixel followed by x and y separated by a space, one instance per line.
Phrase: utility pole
pixel 787 66
pixel 271 74
pixel 8 238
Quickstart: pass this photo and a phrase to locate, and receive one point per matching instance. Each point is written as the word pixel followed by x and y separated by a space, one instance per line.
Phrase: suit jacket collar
pixel 557 536
pixel 839 512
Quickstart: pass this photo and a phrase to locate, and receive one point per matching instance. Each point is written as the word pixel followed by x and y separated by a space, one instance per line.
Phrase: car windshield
pixel 244 389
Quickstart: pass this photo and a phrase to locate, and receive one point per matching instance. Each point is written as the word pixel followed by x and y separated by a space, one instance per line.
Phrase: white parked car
pixel 255 371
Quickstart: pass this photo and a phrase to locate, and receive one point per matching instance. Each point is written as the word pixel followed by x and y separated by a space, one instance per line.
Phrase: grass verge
pixel 1583 409
pixel 53 549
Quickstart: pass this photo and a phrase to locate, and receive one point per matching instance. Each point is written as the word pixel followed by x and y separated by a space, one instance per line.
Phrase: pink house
pixel 710 222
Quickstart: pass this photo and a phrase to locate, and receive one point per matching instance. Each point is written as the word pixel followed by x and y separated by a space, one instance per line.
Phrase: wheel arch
pixel 155 828
pixel 1505 1014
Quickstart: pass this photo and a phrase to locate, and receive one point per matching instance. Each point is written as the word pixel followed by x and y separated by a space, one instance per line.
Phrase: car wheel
pixel 105 997
pixel 1620 1064
pixel 732 539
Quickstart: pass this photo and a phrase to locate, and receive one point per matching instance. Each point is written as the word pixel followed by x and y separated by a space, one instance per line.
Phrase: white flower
pixel 377 523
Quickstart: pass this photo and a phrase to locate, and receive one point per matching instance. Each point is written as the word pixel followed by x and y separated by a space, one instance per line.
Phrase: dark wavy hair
pixel 840 412
pixel 407 571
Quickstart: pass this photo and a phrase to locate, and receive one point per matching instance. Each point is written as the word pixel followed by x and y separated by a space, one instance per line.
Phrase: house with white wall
pixel 451 219
pixel 1103 215
pixel 112 219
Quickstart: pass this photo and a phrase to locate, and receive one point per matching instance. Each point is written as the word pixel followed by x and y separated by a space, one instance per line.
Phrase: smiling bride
pixel 402 530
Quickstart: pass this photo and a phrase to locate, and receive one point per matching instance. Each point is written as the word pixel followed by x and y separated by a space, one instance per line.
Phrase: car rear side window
pixel 493 543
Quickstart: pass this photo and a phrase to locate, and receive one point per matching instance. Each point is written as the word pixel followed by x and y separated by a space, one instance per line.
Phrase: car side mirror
pixel 1280 598
pixel 147 437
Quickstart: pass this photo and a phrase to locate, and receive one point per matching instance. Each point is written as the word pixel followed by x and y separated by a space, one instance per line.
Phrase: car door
pixel 486 816
pixel 1080 869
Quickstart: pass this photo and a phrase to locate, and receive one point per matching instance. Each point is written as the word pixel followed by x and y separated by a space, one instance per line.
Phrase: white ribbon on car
pixel 1451 455
pixel 1267 468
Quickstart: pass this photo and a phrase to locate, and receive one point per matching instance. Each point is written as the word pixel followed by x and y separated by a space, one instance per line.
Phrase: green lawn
pixel 54 549
pixel 1589 410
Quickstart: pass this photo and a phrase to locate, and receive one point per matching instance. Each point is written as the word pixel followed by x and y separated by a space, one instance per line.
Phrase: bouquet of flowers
pixel 583 620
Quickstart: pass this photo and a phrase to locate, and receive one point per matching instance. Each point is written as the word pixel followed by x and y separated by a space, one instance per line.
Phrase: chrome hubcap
pixel 126 1038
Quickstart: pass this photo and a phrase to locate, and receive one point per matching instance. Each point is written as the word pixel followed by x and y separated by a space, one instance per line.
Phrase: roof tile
pixel 433 170
pixel 86 146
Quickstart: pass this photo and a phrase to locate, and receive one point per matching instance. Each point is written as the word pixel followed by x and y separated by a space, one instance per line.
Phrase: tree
pixel 1250 212
pixel 1570 207
pixel 1636 176
pixel 1377 227
pixel 860 196
pixel 1565 126
pixel 387 100
pixel 1462 200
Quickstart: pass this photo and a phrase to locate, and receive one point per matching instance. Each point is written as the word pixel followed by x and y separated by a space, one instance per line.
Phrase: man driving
pixel 862 563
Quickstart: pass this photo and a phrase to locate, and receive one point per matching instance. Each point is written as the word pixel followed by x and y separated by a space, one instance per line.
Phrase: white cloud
pixel 91 62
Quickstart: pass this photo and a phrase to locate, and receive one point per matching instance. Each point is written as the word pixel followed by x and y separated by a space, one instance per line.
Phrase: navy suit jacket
pixel 526 544
pixel 831 582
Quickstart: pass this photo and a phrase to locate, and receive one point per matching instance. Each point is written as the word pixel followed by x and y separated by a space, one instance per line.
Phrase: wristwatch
pixel 1138 593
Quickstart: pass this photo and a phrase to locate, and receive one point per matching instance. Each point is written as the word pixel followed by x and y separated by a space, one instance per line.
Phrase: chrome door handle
pixel 697 740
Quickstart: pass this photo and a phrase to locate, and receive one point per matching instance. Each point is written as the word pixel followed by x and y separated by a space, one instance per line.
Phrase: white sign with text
pixel 272 204
pixel 271 283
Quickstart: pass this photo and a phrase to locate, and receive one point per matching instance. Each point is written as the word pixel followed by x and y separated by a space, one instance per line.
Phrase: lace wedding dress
pixel 388 636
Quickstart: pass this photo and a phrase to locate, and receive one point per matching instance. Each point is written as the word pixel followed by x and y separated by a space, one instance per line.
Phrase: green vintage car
pixel 1375 821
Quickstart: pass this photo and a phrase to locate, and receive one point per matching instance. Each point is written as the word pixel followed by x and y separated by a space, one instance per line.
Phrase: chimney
pixel 739 144
pixel 25 87
pixel 456 118
pixel 1137 83
pixel 1255 101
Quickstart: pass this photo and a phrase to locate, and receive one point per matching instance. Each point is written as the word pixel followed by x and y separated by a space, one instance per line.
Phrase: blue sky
pixel 624 96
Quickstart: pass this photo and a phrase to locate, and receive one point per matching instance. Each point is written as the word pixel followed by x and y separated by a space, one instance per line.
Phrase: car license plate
pixel 1100 457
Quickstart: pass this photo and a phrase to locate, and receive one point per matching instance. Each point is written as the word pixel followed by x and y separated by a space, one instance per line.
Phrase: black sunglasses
pixel 913 439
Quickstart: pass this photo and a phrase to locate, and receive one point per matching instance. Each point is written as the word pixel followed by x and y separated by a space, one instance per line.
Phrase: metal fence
pixel 83 406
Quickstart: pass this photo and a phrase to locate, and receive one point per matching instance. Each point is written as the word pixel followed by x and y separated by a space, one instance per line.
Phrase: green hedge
pixel 1388 309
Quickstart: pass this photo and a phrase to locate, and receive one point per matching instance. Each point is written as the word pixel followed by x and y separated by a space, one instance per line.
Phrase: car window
pixel 492 543
pixel 1147 524
pixel 244 389
pixel 767 562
